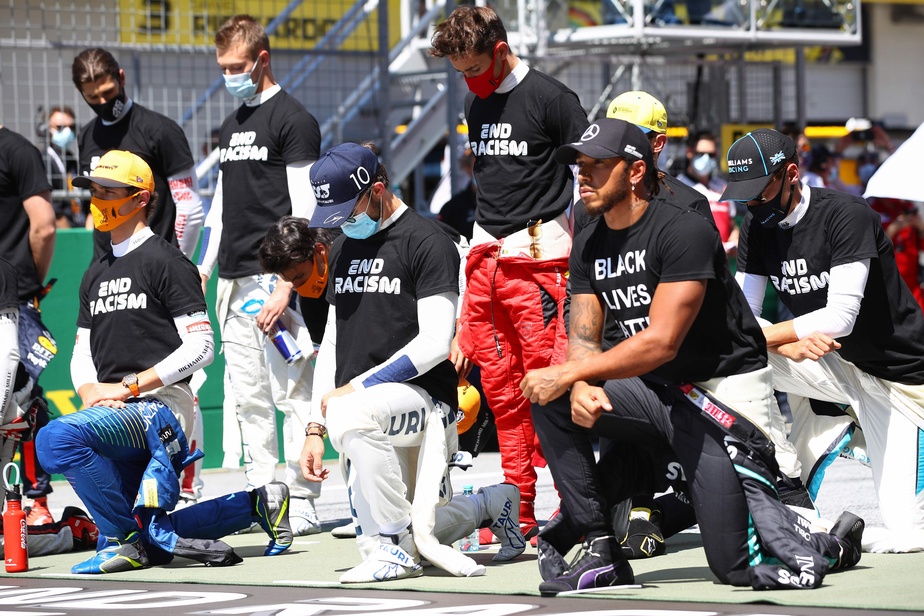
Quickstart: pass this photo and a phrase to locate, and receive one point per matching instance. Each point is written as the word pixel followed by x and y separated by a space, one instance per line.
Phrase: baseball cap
pixel 118 169
pixel 639 108
pixel 753 160
pixel 608 138
pixel 338 177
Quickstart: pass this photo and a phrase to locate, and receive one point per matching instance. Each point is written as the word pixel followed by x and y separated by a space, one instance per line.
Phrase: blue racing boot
pixel 271 511
pixel 118 555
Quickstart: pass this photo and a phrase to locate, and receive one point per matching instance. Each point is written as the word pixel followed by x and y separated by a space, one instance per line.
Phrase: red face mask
pixel 485 84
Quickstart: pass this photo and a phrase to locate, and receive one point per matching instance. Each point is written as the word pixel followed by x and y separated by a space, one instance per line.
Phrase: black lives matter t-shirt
pixel 159 141
pixel 624 267
pixel 129 303
pixel 22 175
pixel 375 285
pixel 888 337
pixel 256 145
pixel 513 136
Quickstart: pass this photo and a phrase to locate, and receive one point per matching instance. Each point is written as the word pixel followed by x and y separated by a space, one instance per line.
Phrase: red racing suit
pixel 512 323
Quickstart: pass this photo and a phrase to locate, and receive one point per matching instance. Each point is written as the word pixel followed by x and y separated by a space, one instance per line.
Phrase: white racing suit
pixel 260 381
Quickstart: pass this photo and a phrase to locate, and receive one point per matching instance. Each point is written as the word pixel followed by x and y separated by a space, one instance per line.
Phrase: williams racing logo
pixel 364 276
pixel 115 295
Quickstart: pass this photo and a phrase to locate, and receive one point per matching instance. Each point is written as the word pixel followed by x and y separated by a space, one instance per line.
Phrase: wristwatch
pixel 131 382
pixel 316 429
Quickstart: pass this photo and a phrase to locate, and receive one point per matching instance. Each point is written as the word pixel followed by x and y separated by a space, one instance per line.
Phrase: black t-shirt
pixel 888 337
pixel 129 304
pixel 9 295
pixel 673 193
pixel 514 136
pixel 374 287
pixel 624 267
pixel 22 175
pixel 159 141
pixel 256 145
pixel 459 212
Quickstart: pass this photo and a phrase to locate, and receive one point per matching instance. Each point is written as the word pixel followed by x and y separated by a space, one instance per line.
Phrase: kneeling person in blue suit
pixel 143 330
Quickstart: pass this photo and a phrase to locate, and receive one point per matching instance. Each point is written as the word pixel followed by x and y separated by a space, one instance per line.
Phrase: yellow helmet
pixel 469 405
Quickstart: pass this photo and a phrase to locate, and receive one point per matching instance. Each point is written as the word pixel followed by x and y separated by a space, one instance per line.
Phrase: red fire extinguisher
pixel 15 533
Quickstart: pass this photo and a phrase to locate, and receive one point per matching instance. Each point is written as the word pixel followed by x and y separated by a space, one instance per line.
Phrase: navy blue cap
pixel 338 178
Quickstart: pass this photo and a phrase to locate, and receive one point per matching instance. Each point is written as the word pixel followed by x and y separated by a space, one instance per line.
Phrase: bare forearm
pixel 780 333
pixel 635 356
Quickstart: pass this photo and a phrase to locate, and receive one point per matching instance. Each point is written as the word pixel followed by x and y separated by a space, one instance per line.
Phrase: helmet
pixel 469 405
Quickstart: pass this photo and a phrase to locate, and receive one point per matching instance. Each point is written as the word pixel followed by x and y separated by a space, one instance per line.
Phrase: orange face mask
pixel 105 213
pixel 317 282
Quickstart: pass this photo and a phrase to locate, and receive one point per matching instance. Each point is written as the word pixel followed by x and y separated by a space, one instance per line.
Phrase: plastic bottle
pixel 285 343
pixel 15 533
pixel 469 543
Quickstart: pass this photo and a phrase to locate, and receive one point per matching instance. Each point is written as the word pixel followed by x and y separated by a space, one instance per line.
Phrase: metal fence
pixel 323 50
pixel 169 60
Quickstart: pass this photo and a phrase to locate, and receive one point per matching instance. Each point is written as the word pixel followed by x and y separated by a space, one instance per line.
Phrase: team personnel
pixel 384 386
pixel 59 135
pixel 693 356
pixel 516 270
pixel 123 124
pixel 702 173
pixel 27 240
pixel 857 337
pixel 267 146
pixel 124 451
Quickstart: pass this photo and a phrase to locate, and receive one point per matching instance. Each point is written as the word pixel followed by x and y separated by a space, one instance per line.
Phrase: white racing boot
pixel 303 516
pixel 394 558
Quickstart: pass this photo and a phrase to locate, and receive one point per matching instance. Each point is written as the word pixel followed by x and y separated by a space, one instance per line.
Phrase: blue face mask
pixel 241 85
pixel 705 165
pixel 362 227
pixel 63 138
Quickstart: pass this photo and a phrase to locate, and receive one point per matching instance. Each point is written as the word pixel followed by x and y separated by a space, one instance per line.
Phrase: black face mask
pixel 112 110
pixel 769 213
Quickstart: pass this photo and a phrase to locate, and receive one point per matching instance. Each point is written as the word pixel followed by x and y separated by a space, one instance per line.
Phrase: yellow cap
pixel 469 405
pixel 118 168
pixel 641 109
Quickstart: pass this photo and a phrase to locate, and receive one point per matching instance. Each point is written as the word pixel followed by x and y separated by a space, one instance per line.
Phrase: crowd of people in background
pixel 613 312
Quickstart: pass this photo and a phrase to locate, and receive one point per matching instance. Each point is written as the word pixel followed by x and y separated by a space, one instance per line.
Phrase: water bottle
pixel 15 532
pixel 285 343
pixel 469 543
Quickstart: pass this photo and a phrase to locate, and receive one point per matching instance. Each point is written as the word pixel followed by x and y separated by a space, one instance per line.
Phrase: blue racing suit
pixel 125 464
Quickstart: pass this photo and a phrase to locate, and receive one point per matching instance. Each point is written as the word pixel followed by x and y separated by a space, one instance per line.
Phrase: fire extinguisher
pixel 15 533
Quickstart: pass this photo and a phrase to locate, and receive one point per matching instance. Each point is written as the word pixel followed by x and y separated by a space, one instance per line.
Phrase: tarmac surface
pixel 50 590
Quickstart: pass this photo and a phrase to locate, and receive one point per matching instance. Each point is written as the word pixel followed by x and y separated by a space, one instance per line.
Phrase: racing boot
pixel 118 555
pixel 500 505
pixel 598 564
pixel 271 511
